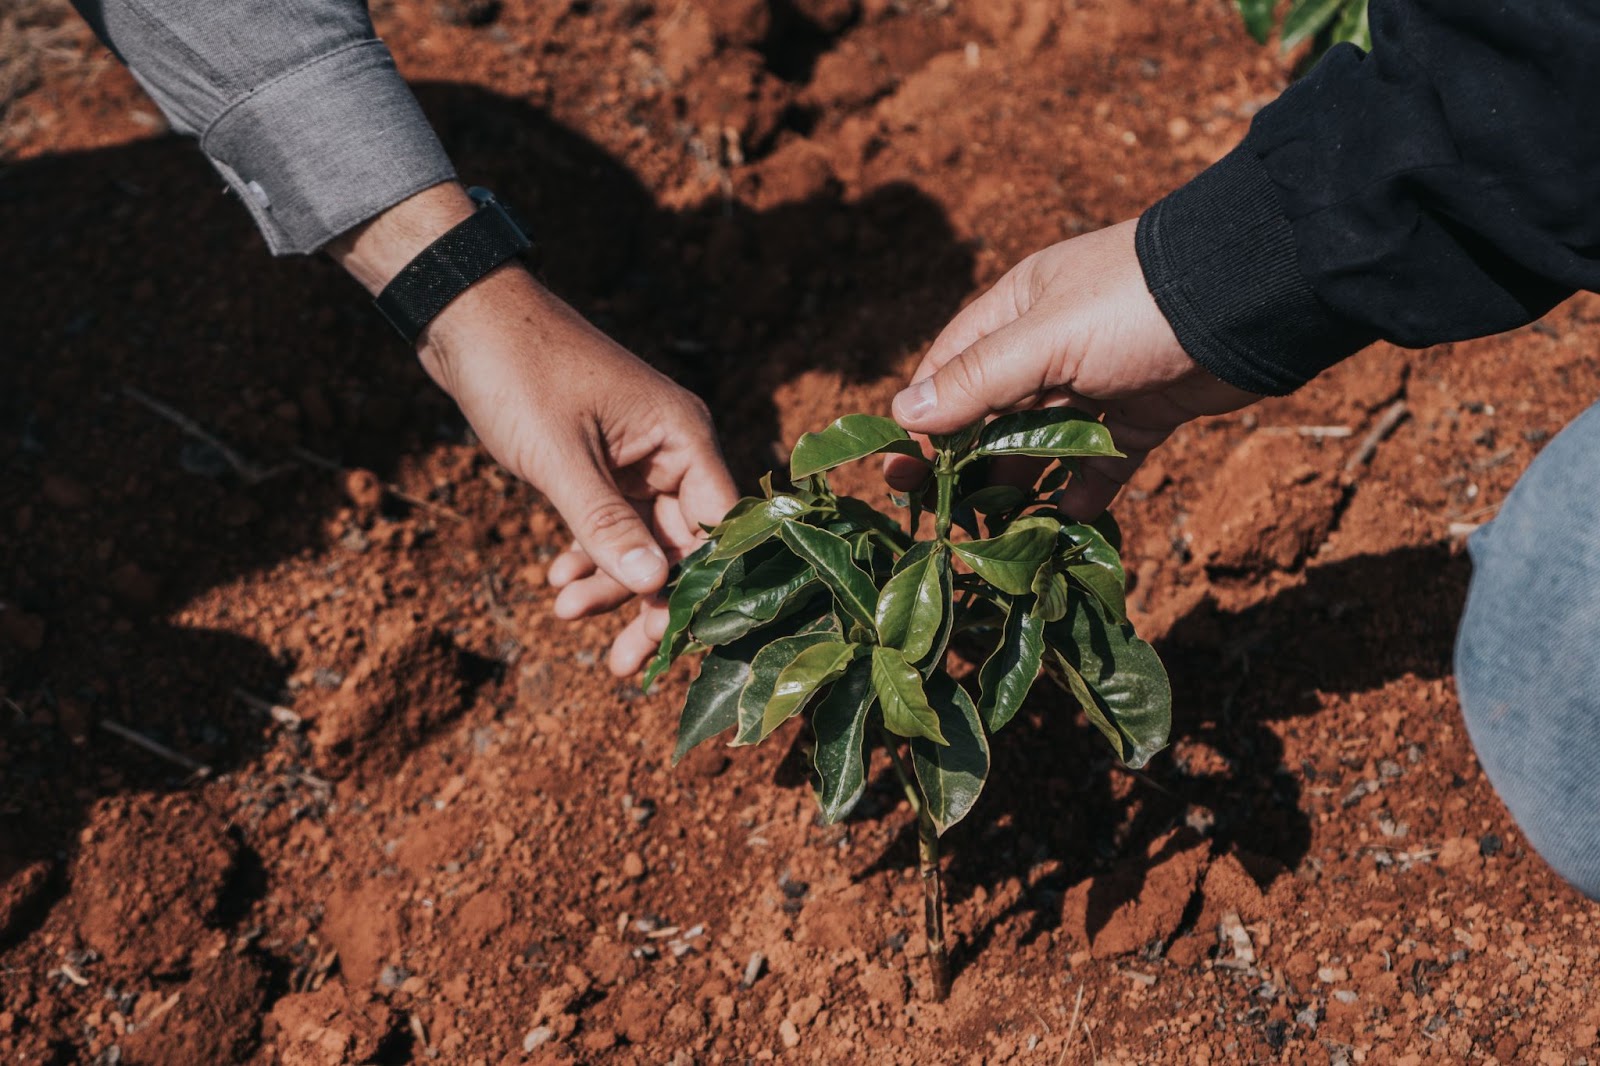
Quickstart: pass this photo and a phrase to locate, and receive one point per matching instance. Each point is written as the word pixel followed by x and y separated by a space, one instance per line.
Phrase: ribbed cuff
pixel 1220 258
pixel 326 147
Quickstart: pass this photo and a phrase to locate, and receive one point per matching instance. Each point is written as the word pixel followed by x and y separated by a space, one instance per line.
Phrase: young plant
pixel 1323 22
pixel 817 604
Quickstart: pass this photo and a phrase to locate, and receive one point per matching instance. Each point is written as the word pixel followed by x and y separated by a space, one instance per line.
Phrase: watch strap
pixel 450 265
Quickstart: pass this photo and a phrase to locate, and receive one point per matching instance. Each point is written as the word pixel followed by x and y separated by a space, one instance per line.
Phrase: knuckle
pixel 607 518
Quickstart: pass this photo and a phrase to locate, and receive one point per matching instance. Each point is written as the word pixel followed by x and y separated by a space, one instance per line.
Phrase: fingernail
pixel 642 565
pixel 916 401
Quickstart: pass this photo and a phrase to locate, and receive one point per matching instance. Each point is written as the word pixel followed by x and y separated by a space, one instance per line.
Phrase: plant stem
pixel 944 474
pixel 928 869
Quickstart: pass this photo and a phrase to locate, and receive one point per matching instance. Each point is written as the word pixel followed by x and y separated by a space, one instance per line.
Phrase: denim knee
pixel 1528 653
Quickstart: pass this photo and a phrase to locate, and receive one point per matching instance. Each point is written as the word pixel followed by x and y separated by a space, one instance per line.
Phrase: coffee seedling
pixel 809 602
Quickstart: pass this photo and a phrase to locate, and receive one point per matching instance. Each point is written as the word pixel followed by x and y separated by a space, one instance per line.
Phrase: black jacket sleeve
pixel 1445 185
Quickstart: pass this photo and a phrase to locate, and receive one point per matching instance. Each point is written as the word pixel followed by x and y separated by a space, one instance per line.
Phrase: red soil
pixel 779 203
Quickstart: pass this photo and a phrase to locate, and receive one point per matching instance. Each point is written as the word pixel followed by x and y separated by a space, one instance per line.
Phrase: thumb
pixel 1005 369
pixel 607 526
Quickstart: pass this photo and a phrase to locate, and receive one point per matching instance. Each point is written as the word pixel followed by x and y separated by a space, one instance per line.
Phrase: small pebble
pixel 542 1035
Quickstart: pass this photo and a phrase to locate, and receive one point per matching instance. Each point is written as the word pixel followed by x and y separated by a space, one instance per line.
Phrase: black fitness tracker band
pixel 451 265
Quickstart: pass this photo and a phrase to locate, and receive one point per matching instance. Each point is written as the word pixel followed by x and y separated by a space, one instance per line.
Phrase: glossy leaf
pixel 1050 432
pixel 1009 673
pixel 756 525
pixel 1096 566
pixel 951 775
pixel 829 555
pixel 1009 561
pixel 849 438
pixel 697 580
pixel 1108 528
pixel 994 499
pixel 859 514
pixel 1257 16
pixel 929 663
pixel 1305 19
pixel 840 723
pixel 1051 594
pixel 1123 673
pixel 765 669
pixel 1055 477
pixel 810 671
pixel 906 712
pixel 712 703
pixel 753 596
pixel 912 605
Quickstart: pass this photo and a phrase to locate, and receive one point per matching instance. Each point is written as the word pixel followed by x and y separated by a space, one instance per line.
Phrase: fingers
pixel 1090 492
pixel 568 567
pixel 707 491
pixel 999 371
pixel 607 526
pixel 590 595
pixel 637 642
pixel 996 308
pixel 904 473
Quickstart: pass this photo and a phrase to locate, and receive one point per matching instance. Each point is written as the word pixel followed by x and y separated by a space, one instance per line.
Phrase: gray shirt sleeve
pixel 295 102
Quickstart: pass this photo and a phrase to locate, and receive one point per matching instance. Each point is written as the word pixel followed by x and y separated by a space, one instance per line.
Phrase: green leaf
pixel 840 722
pixel 859 515
pixel 1048 432
pixel 758 591
pixel 697 579
pixel 756 525
pixel 934 659
pixel 951 775
pixel 994 499
pixel 1051 594
pixel 1257 17
pixel 765 668
pixel 712 704
pixel 1096 566
pixel 814 668
pixel 829 555
pixel 1108 528
pixel 905 705
pixel 1009 561
pixel 959 442
pixel 1123 675
pixel 1353 25
pixel 1305 19
pixel 1055 477
pixel 912 604
pixel 1010 672
pixel 851 437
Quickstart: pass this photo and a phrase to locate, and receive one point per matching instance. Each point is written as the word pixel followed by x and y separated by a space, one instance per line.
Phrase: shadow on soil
pixel 137 272
pixel 1055 792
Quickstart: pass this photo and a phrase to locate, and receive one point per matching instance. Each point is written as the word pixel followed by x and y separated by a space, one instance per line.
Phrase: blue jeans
pixel 1528 654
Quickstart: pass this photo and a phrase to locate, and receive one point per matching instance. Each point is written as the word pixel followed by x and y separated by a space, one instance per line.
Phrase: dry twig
pixel 250 472
pixel 277 712
pixel 154 747
pixel 1392 416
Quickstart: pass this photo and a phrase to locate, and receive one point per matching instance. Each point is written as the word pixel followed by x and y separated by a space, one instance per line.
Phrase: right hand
pixel 1073 324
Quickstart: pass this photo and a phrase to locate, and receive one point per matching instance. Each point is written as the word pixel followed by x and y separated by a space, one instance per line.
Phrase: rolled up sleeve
pixel 296 103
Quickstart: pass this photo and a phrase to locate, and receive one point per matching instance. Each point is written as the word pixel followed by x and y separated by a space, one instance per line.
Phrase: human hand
pixel 626 456
pixel 1072 324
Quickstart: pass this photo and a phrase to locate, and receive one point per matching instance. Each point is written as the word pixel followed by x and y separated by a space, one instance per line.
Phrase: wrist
pixel 378 249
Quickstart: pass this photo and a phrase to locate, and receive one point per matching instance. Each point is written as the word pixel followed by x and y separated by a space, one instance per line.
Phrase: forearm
pixel 296 103
pixel 1436 189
